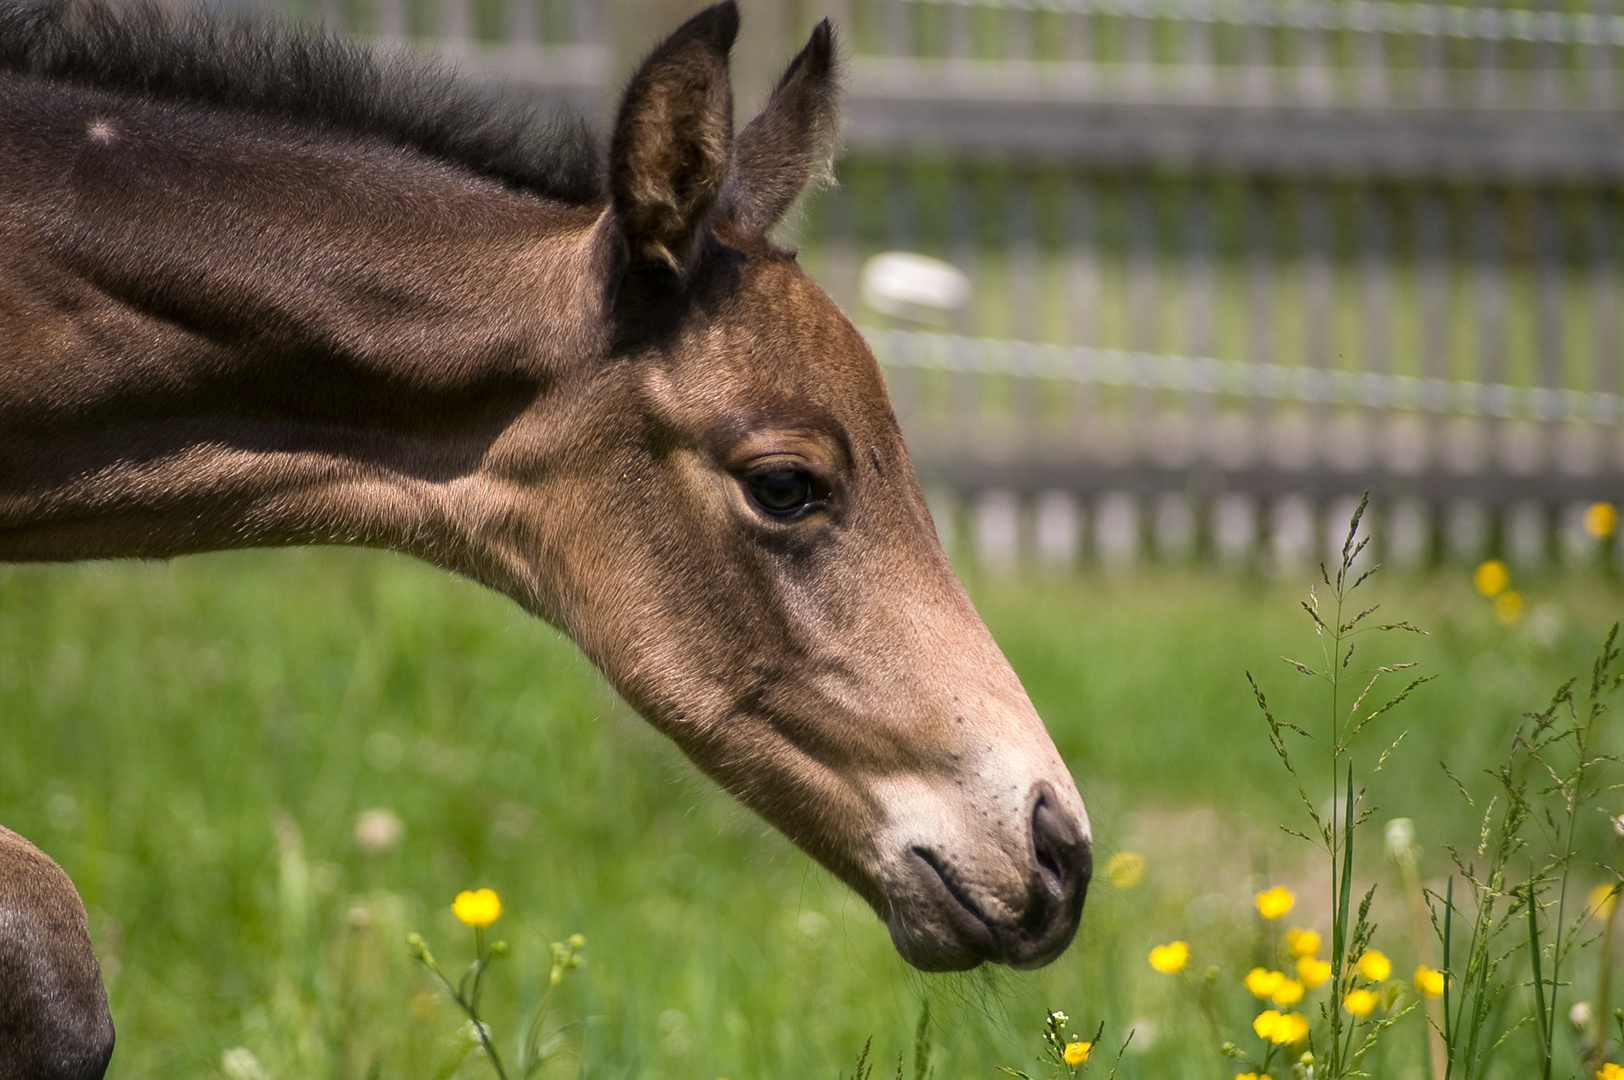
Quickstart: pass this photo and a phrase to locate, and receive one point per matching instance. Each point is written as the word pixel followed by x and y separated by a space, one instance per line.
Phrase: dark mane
pixel 305 76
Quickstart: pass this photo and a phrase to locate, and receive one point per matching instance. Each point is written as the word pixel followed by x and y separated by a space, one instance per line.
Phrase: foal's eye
pixel 782 490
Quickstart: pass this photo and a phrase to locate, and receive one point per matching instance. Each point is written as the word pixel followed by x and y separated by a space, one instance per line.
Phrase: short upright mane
pixel 304 76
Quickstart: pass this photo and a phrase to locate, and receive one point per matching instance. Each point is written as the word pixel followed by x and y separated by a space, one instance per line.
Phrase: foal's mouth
pixel 975 926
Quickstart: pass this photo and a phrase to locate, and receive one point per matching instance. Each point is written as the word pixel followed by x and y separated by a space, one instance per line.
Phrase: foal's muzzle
pixel 964 923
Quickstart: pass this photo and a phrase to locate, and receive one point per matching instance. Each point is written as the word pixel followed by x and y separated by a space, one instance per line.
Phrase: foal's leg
pixel 54 1023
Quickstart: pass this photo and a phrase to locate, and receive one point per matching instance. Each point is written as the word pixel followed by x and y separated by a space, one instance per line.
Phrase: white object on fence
pixel 907 284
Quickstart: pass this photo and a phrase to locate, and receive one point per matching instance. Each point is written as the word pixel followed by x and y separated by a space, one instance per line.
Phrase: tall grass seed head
pixel 1430 981
pixel 1275 902
pixel 1170 957
pixel 477 907
pixel 1360 1002
pixel 1374 965
pixel 1313 971
pixel 1399 836
pixel 1300 942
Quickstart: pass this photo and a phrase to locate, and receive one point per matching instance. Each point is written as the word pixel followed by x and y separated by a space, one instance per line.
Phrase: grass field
pixel 194 742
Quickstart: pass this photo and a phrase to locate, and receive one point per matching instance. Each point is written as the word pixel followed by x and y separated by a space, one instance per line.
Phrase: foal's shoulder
pixel 54 1023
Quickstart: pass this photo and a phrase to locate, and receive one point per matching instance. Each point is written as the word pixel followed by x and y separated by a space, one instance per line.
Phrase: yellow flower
pixel 1076 1052
pixel 1275 902
pixel 1287 992
pixel 1125 869
pixel 1374 966
pixel 1430 981
pixel 1254 1076
pixel 1491 577
pixel 1313 972
pixel 1302 942
pixel 1262 982
pixel 1609 1071
pixel 1280 1027
pixel 1600 521
pixel 1170 957
pixel 1601 899
pixel 1508 606
pixel 477 907
pixel 1360 1002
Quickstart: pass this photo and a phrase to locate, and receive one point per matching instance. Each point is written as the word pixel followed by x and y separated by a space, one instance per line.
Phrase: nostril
pixel 1057 845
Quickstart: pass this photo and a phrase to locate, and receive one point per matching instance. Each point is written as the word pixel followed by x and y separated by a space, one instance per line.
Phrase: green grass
pixel 194 741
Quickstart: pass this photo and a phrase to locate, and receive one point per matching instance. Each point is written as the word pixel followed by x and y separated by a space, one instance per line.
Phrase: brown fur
pixel 54 1023
pixel 228 331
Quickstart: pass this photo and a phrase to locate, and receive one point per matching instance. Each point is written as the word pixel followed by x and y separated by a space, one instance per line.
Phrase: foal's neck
pixel 218 338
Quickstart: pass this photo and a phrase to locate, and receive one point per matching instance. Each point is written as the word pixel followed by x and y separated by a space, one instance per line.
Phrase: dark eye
pixel 782 490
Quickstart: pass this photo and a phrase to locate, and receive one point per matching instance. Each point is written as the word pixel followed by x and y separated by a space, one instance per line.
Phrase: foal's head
pixel 749 556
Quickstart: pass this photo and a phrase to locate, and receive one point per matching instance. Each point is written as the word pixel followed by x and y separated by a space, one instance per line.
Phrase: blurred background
pixel 1179 279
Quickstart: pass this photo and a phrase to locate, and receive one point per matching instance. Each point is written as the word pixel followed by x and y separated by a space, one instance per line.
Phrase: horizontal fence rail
pixel 1362 16
pixel 1203 375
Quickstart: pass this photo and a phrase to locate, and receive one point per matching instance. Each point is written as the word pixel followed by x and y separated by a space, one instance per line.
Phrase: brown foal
pixel 261 288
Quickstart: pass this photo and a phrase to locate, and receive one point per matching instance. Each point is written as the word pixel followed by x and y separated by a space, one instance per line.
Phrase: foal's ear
pixel 673 140
pixel 791 138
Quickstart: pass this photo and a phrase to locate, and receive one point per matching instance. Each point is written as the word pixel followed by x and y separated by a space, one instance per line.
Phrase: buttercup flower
pixel 1609 1071
pixel 1600 521
pixel 1360 1002
pixel 1430 981
pixel 1313 972
pixel 1076 1052
pixel 1508 606
pixel 1491 577
pixel 477 907
pixel 1280 1027
pixel 1248 1076
pixel 1125 869
pixel 1374 966
pixel 1170 957
pixel 1600 901
pixel 1275 902
pixel 1302 942
pixel 1262 982
pixel 1287 992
